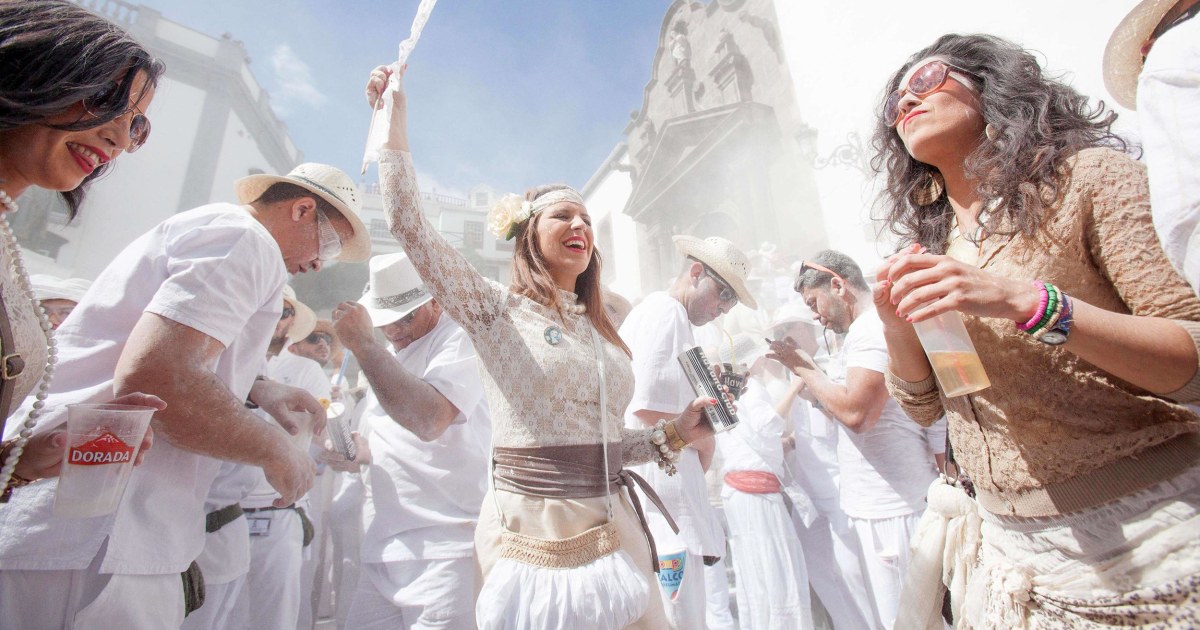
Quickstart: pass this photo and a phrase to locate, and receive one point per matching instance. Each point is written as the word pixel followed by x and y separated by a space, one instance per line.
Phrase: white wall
pixel 141 189
pixel 239 154
pixel 841 54
pixel 606 200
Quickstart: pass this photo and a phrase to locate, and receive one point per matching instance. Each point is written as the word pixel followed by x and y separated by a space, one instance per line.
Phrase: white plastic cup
pixel 952 354
pixel 102 444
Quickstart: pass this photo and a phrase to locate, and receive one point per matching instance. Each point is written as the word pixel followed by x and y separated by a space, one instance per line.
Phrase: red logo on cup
pixel 106 449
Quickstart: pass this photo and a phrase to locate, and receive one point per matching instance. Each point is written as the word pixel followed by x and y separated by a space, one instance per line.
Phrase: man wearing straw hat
pixel 711 281
pixel 185 313
pixel 276 588
pixel 1152 64
pixel 225 562
pixel 320 345
pixel 429 434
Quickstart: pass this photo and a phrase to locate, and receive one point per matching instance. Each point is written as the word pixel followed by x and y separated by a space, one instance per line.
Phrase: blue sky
pixel 509 93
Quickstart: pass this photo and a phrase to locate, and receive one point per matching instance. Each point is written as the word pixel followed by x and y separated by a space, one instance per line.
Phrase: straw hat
pixel 305 320
pixel 329 184
pixel 395 289
pixel 46 287
pixel 1123 55
pixel 723 257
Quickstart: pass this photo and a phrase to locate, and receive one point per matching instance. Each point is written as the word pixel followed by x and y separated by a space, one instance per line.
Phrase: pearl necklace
pixel 43 388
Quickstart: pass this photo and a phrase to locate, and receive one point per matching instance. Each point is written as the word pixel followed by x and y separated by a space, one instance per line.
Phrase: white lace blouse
pixel 540 393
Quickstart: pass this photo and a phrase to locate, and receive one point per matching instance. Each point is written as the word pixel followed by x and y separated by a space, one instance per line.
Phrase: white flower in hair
pixel 507 215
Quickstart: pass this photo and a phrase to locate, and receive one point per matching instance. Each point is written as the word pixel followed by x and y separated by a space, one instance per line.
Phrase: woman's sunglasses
pixel 927 79
pixel 139 124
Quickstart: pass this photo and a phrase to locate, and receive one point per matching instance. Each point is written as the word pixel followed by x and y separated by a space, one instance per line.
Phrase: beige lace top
pixel 539 393
pixel 27 333
pixel 1054 434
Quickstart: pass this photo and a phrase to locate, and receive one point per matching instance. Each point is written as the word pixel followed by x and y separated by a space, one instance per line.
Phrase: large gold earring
pixel 930 190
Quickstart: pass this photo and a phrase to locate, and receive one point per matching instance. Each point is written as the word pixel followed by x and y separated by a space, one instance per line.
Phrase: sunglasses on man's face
pixel 924 81
pixel 287 312
pixel 727 295
pixel 317 337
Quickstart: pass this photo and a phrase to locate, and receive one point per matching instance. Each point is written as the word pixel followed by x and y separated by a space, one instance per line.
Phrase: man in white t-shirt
pixel 275 588
pixel 658 330
pixel 226 560
pixel 185 313
pixel 429 434
pixel 884 459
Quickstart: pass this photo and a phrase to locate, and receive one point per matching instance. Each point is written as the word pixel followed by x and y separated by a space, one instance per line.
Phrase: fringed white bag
pixel 943 554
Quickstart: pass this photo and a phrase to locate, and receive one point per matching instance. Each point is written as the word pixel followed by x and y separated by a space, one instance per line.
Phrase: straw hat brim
pixel 707 253
pixel 357 249
pixel 1123 54
pixel 305 322
pixel 383 316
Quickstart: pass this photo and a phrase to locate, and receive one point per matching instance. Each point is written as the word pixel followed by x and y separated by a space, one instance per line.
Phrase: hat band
pixel 321 186
pixel 396 301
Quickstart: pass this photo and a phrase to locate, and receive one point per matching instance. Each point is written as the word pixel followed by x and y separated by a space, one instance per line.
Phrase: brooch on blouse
pixel 553 335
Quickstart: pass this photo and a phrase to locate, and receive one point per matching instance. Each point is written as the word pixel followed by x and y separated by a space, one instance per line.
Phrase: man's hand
pixel 787 352
pixel 291 473
pixel 352 324
pixel 338 462
pixel 293 408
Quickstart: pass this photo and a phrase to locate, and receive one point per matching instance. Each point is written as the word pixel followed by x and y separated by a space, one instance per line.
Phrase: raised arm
pixel 469 298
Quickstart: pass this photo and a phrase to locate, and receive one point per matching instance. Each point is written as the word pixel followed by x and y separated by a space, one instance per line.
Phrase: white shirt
pixel 214 269
pixel 297 371
pixel 657 332
pixel 1168 107
pixel 756 443
pixel 422 499
pixel 887 470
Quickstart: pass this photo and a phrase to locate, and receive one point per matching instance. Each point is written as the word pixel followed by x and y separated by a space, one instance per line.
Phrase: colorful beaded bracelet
pixel 1041 312
pixel 1051 306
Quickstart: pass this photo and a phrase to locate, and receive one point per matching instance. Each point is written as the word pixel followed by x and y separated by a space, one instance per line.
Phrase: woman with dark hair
pixel 74 89
pixel 1082 453
pixel 558 543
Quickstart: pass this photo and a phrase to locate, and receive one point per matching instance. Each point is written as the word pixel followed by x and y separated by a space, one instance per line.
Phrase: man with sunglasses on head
pixel 429 433
pixel 886 461
pixel 185 313
pixel 711 282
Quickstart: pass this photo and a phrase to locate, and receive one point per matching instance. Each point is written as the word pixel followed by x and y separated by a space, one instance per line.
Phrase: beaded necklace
pixel 17 267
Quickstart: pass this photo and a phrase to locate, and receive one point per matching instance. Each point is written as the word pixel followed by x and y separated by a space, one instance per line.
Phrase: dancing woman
pixel 557 379
pixel 1082 454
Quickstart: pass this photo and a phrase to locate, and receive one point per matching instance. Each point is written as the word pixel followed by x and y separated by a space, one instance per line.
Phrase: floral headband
pixel 512 211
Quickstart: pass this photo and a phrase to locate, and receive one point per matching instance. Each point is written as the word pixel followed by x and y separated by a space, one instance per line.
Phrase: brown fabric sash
pixel 574 472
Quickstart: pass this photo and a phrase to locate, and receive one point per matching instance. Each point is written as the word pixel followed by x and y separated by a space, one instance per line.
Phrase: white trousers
pixel 885 546
pixel 271 597
pixel 415 595
pixel 833 558
pixel 85 599
pixel 772 592
pixel 220 602
pixel 346 528
pixel 716 582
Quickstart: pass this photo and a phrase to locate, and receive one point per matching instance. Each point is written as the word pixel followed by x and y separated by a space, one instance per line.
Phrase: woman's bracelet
pixel 1051 308
pixel 665 439
pixel 1041 311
